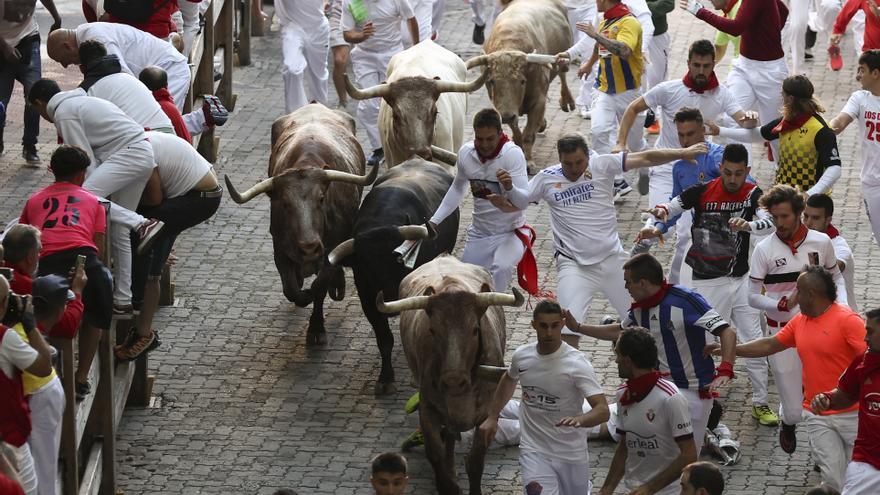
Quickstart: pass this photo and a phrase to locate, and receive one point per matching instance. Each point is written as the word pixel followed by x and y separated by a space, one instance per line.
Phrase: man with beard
pixel 556 378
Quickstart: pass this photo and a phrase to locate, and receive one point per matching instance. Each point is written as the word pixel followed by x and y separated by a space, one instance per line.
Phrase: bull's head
pixel 299 213
pixel 413 102
pixel 508 78
pixel 455 319
pixel 407 233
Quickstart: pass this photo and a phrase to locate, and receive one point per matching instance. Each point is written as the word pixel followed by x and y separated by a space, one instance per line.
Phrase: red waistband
pixel 775 324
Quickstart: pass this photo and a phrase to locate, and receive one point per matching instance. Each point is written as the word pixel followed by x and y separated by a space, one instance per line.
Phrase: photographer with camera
pixel 18 354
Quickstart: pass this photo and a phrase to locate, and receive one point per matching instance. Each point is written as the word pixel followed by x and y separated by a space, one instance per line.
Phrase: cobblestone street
pixel 244 406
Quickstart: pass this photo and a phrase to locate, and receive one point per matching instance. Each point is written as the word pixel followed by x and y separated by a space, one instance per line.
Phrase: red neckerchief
pixel 162 94
pixel 618 10
pixel 638 388
pixel 484 159
pixel 832 231
pixel 654 300
pixel 730 5
pixel 792 125
pixel 869 364
pixel 796 239
pixel 712 84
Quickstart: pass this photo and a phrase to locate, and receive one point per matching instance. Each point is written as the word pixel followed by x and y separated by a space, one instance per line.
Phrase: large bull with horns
pixel 517 56
pixel 316 174
pixel 452 327
pixel 424 102
pixel 390 214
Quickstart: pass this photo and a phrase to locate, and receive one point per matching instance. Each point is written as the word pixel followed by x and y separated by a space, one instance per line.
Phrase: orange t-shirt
pixel 826 345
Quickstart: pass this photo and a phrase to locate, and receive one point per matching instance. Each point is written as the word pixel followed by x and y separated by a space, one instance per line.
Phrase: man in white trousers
pixel 137 50
pixel 795 33
pixel 189 12
pixel 818 216
pixel 374 28
pixel 580 191
pixel 864 108
pixel 122 161
pixel 775 266
pixel 305 45
pixel 493 241
pixel 725 214
pixel 756 76
pixel 483 18
pixel 424 12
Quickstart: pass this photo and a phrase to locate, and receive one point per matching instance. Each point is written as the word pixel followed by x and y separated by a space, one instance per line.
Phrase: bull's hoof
pixel 567 104
pixel 384 388
pixel 336 289
pixel 543 126
pixel 316 338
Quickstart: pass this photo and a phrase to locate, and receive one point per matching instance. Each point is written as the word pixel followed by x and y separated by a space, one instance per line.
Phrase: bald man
pixel 156 80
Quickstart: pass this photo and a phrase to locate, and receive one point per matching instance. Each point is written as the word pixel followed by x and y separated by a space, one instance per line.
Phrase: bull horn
pixel 360 180
pixel 410 303
pixel 263 187
pixel 461 87
pixel 537 58
pixel 490 373
pixel 477 61
pixel 500 298
pixel 444 156
pixel 343 250
pixel 380 90
pixel 414 232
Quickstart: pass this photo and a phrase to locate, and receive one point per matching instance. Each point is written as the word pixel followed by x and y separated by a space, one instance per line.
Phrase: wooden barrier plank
pixel 91 481
pixel 244 34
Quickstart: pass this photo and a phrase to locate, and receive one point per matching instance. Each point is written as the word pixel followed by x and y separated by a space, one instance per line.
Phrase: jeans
pixel 27 74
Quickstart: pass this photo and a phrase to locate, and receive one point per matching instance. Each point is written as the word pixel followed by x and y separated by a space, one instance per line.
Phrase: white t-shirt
pixel 582 213
pixel 673 95
pixel 470 173
pixel 864 108
pixel 18 21
pixel 15 353
pixel 386 16
pixel 553 387
pixel 180 165
pixel 777 267
pixel 132 97
pixel 845 254
pixel 304 13
pixel 136 49
pixel 651 427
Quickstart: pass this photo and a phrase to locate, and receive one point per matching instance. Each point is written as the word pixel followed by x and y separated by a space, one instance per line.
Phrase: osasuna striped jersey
pixel 777 266
pixel 650 428
pixel 679 323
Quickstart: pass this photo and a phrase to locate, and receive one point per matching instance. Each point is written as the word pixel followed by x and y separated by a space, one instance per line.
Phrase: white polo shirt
pixel 777 267
pixel 651 427
pixel 554 386
pixel 132 97
pixel 672 95
pixel 582 214
pixel 180 166
pixel 386 16
pixel 864 108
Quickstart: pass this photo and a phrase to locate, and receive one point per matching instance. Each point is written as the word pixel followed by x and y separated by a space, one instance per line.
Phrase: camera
pixel 17 302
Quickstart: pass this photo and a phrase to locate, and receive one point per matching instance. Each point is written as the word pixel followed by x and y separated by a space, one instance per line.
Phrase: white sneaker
pixel 584 112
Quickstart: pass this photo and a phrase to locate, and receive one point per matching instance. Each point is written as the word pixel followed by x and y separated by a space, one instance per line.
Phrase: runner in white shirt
pixel 492 241
pixel 423 10
pixel 305 36
pixel 818 216
pixel 776 263
pixel 656 436
pixel 579 192
pixel 699 88
pixel 864 106
pixel 555 379
pixel 373 26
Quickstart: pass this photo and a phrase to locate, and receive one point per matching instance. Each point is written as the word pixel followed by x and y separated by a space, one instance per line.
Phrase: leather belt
pixel 213 193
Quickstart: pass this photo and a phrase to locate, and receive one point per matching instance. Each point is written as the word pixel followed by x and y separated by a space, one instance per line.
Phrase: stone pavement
pixel 243 406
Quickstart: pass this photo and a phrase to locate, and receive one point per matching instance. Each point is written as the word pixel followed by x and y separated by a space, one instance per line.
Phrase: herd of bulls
pixel 452 325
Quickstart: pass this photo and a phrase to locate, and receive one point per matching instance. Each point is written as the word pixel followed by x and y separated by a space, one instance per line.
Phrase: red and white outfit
pixel 823 19
pixel 861 381
pixel 554 460
pixel 864 108
pixel 589 256
pixel 16 355
pixel 651 423
pixel 844 253
pixel 305 46
pixel 491 241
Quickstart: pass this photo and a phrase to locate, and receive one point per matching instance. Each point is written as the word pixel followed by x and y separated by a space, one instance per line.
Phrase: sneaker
pixel 412 405
pixel 415 439
pixel 148 233
pixel 641 247
pixel 621 189
pixel 81 390
pixel 607 320
pixel 810 38
pixel 139 346
pixel 31 158
pixel 764 415
pixel 584 112
pixel 787 438
pixel 835 61
pixel 644 184
pixel 215 113
pixel 808 55
pixel 479 35
pixel 650 119
pixel 654 128
pixel 376 158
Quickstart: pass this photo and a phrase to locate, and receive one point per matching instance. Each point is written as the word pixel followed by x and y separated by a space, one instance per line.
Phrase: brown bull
pixel 521 67
pixel 452 328
pixel 316 174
